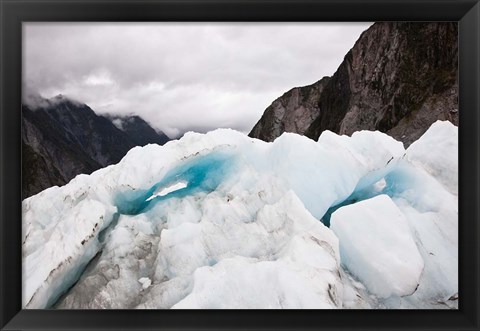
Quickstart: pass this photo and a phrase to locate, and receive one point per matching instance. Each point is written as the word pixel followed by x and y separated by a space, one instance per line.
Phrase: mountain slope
pixel 399 78
pixel 138 130
pixel 62 138
pixel 292 112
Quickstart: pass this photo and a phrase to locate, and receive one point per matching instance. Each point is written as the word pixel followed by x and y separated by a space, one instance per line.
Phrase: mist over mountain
pixel 398 78
pixel 138 130
pixel 62 138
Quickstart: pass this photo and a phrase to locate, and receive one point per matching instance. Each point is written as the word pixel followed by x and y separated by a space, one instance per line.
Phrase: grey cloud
pixel 180 76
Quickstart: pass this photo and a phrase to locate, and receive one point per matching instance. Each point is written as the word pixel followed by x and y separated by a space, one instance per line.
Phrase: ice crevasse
pixel 221 220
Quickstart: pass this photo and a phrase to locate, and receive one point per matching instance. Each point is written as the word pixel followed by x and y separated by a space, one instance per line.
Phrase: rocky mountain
pixel 399 78
pixel 292 112
pixel 138 130
pixel 62 138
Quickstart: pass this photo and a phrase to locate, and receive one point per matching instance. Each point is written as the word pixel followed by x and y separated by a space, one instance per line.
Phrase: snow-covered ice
pixel 169 189
pixel 146 282
pixel 437 153
pixel 377 246
pixel 221 220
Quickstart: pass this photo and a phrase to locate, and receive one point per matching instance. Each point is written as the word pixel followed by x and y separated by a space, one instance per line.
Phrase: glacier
pixel 221 220
pixel 385 258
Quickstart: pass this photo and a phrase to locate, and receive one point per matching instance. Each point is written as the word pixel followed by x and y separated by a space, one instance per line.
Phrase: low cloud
pixel 182 76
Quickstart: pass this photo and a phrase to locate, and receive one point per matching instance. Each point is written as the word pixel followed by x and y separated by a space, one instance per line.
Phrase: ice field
pixel 221 220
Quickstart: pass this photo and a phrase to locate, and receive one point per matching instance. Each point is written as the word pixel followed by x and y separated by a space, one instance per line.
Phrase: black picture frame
pixel 14 12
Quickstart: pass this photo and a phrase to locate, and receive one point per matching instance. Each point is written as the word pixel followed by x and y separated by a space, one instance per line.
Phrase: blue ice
pixel 202 174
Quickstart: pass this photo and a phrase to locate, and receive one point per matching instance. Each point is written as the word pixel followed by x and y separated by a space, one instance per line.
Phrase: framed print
pixel 239 165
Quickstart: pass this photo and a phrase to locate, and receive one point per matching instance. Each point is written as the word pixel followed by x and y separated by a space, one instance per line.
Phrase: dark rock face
pixel 62 138
pixel 292 112
pixel 138 130
pixel 334 101
pixel 398 78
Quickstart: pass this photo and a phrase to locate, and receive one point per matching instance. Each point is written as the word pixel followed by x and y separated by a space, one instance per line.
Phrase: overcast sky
pixel 182 76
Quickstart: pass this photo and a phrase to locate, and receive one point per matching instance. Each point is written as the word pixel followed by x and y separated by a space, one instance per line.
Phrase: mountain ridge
pixel 62 138
pixel 398 78
pixel 138 129
pixel 292 112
